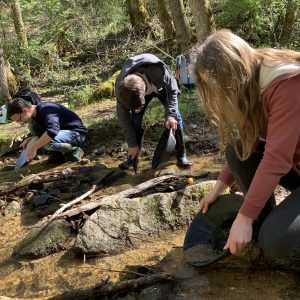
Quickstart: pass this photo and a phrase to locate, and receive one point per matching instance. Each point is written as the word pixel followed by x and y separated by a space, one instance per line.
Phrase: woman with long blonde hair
pixel 253 97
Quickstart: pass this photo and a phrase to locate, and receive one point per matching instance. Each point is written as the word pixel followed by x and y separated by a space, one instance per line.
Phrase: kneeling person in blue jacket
pixel 142 78
pixel 58 128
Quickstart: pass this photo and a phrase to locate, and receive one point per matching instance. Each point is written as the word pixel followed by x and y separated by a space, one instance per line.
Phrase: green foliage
pixel 4 136
pixel 256 21
pixel 187 104
pixel 77 98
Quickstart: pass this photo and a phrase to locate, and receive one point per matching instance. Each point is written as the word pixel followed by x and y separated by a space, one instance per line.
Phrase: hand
pixel 213 195
pixel 240 234
pixel 25 143
pixel 133 152
pixel 31 153
pixel 210 198
pixel 171 123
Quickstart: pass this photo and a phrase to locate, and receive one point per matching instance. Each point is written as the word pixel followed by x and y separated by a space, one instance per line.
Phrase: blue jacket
pixel 53 117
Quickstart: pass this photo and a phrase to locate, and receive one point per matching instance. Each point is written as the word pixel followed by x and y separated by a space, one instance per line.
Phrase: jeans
pixel 65 141
pixel 278 226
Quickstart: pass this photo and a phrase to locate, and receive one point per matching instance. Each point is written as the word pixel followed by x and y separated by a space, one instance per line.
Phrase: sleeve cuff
pixel 250 210
pixel 52 134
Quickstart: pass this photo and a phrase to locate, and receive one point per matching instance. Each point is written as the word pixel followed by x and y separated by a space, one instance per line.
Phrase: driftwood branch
pixel 77 200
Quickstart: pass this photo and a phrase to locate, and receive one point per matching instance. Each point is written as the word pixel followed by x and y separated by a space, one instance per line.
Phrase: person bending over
pixel 59 129
pixel 142 78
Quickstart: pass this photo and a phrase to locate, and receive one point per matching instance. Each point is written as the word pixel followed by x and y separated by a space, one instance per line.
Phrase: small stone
pixel 101 150
pixel 85 161
pixel 28 197
pixel 38 157
pixel 67 171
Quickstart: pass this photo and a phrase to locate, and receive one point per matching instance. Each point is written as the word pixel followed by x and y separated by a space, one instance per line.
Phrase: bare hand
pixel 210 198
pixel 31 153
pixel 171 123
pixel 240 234
pixel 25 143
pixel 133 152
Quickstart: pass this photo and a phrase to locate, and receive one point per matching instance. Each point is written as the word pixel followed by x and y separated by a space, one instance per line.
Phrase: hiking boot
pixel 76 155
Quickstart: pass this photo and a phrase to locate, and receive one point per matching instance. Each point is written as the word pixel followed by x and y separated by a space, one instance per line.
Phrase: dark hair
pixel 132 91
pixel 15 106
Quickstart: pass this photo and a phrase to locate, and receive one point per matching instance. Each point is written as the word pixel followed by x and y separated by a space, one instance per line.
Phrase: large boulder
pixel 123 222
pixel 44 241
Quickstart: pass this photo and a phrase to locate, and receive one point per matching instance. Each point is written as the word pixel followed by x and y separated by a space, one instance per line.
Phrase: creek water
pixel 64 271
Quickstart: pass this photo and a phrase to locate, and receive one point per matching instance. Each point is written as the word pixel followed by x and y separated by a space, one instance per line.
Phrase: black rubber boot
pixel 182 160
pixel 125 165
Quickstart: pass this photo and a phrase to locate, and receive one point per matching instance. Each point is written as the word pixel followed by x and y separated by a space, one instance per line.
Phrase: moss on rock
pixel 105 89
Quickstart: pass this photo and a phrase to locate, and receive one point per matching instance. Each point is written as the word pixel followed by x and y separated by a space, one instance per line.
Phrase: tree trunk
pixel 139 17
pixel 22 39
pixel 182 27
pixel 203 18
pixel 165 19
pixel 288 22
pixel 4 92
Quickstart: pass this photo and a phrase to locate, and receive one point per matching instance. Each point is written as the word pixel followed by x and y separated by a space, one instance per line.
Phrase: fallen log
pixel 105 288
pixel 37 179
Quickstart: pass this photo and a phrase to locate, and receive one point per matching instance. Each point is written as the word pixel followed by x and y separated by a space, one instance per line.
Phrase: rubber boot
pixel 182 160
pixel 134 162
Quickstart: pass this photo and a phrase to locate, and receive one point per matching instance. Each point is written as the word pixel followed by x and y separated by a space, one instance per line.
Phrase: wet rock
pixel 13 207
pixel 44 241
pixel 65 196
pixel 8 168
pixel 119 224
pixel 157 292
pixel 100 150
pixel 40 200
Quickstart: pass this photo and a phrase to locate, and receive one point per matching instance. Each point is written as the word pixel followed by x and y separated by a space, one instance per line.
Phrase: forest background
pixel 71 47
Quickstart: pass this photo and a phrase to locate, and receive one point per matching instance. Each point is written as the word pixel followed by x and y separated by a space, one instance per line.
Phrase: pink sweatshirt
pixel 281 105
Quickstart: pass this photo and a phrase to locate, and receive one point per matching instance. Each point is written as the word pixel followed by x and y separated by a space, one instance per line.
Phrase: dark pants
pixel 137 118
pixel 278 226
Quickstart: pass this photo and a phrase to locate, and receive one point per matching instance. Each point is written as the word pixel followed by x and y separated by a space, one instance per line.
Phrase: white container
pixel 3 112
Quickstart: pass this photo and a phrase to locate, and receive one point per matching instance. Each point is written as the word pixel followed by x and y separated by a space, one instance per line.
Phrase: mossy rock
pixel 43 241
pixel 105 89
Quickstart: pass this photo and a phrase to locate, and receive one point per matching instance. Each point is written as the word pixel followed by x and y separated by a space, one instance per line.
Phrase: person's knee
pixel 273 241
